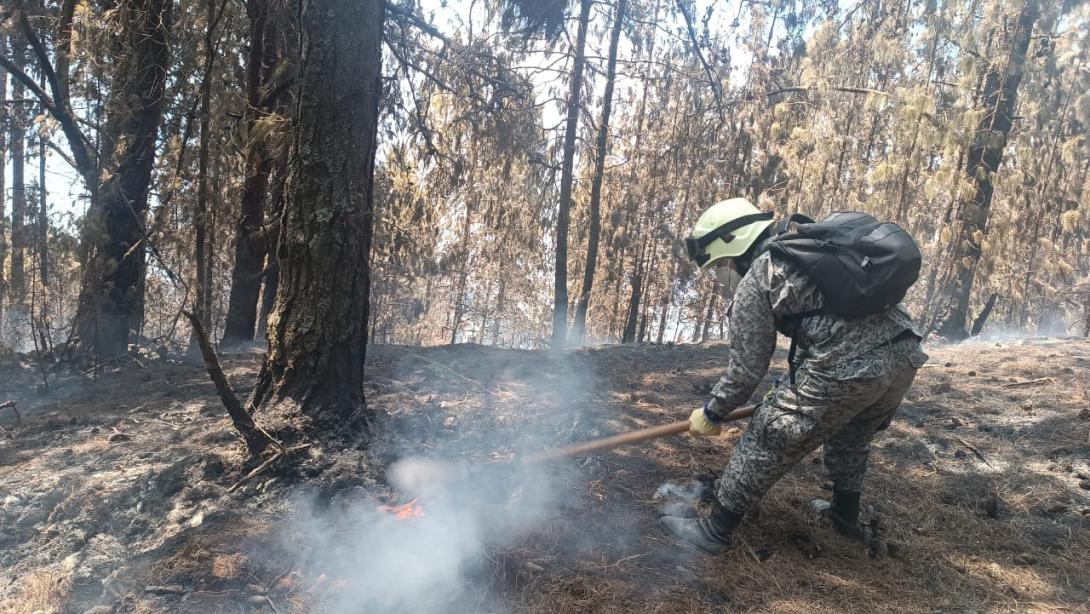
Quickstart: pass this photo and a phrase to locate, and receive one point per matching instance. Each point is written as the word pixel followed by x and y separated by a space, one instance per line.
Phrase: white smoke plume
pixel 438 562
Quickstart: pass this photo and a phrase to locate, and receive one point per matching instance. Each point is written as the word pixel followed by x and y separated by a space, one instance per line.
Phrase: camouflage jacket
pixel 771 291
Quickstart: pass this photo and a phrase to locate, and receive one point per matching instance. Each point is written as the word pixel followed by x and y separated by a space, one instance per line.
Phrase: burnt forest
pixel 444 306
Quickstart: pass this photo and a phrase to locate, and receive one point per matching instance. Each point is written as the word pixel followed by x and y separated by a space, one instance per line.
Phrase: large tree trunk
pixel 985 156
pixel 583 303
pixel 318 328
pixel 112 292
pixel 251 244
pixel 560 280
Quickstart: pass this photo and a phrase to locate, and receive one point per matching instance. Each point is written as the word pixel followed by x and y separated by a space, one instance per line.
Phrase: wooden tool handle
pixel 607 443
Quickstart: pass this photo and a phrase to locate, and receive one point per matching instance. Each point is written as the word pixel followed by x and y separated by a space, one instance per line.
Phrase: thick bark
pixel 985 156
pixel 318 327
pixel 250 245
pixel 583 303
pixel 112 292
pixel 575 90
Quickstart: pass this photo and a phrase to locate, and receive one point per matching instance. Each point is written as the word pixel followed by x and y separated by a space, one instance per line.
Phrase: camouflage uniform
pixel 850 379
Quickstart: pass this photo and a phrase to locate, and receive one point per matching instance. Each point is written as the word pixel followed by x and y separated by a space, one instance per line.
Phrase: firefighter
pixel 845 384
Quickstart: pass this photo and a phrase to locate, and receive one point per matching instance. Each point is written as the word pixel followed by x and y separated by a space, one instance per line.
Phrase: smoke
pixel 365 560
pixel 369 561
pixel 681 500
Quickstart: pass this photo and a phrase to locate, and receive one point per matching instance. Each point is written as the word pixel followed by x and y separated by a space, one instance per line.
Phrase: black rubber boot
pixel 844 512
pixel 711 534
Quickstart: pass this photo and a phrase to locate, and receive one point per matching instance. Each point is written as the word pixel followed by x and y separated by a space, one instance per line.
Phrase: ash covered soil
pixel 116 494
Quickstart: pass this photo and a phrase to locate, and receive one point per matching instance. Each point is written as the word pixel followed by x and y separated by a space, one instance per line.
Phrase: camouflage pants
pixel 842 414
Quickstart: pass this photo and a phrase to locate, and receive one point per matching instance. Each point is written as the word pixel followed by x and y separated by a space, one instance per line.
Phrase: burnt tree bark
pixel 575 90
pixel 579 329
pixel 318 328
pixel 111 293
pixel 982 319
pixel 985 156
pixel 263 97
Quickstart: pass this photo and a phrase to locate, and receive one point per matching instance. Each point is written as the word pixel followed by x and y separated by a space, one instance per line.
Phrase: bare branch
pixel 717 88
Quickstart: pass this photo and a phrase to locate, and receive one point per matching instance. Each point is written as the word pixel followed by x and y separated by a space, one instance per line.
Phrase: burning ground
pixel 116 495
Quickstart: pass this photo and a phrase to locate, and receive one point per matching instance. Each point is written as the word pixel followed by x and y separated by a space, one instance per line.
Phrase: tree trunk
pixel 560 281
pixel 268 293
pixel 985 156
pixel 43 215
pixel 5 113
pixel 201 255
pixel 634 300
pixel 706 329
pixel 580 327
pixel 18 177
pixel 318 327
pixel 498 313
pixel 251 245
pixel 112 290
pixel 982 319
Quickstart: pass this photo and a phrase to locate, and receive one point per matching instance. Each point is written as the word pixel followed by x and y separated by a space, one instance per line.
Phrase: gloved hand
pixel 701 426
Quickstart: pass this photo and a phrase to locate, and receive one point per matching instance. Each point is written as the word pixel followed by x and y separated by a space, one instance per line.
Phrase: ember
pixel 403 512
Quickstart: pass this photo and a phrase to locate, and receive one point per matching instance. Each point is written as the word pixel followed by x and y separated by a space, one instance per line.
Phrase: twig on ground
pixel 268 463
pixel 11 405
pixel 277 579
pixel 978 453
pixel 479 385
pixel 1032 382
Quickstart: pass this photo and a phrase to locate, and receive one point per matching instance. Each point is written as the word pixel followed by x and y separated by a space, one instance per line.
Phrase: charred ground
pixel 115 493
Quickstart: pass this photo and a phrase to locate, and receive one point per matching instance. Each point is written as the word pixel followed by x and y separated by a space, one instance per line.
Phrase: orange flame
pixel 403 512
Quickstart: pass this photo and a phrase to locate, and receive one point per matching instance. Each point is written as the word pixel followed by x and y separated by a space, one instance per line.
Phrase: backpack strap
pixel 784 225
pixel 796 319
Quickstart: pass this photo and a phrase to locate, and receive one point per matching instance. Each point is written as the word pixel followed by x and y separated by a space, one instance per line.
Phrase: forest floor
pixel 115 494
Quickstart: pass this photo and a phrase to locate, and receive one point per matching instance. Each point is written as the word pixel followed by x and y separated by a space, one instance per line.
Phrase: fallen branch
pixel 256 439
pixel 11 404
pixel 282 452
pixel 1032 382
pixel 976 452
pixel 479 385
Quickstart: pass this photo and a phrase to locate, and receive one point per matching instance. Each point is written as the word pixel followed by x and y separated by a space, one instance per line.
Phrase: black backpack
pixel 862 266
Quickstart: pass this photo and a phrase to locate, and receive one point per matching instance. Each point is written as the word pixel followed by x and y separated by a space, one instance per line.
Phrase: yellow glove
pixel 700 426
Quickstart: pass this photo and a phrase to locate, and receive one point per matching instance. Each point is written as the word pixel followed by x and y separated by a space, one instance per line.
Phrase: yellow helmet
pixel 726 230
